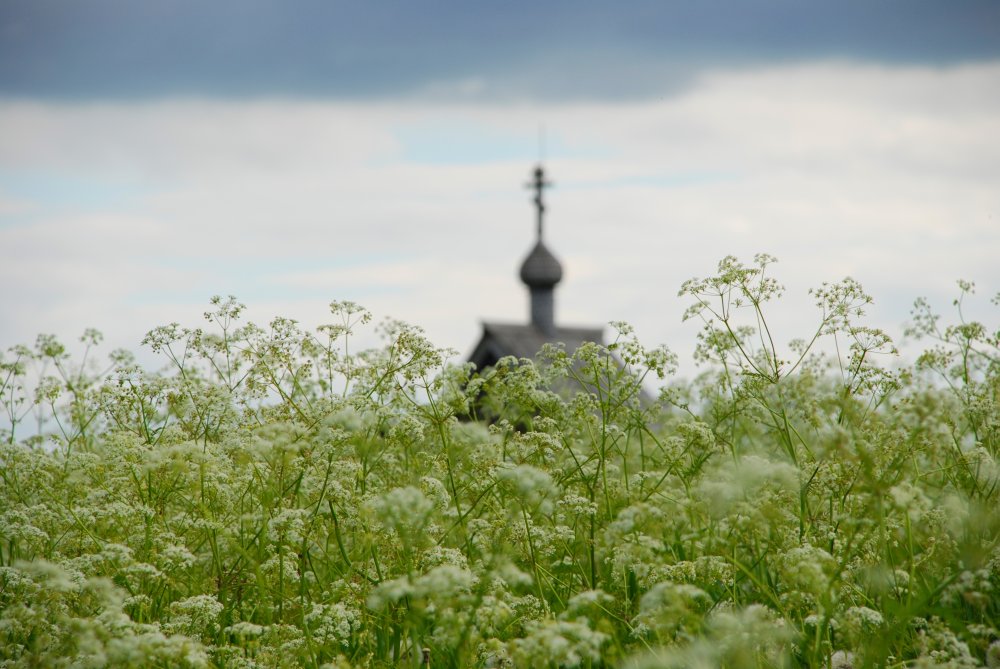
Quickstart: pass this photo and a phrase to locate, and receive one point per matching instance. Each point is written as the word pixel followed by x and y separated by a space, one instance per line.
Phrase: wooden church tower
pixel 541 272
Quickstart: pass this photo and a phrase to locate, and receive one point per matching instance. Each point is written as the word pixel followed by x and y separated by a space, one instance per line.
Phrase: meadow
pixel 273 497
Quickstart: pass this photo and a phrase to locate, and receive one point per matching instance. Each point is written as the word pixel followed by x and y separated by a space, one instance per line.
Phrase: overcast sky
pixel 291 153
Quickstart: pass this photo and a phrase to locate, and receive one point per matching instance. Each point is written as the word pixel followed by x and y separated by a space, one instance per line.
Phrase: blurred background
pixel 293 153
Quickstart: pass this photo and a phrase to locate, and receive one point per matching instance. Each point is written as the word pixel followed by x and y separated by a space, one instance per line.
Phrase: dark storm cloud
pixel 556 50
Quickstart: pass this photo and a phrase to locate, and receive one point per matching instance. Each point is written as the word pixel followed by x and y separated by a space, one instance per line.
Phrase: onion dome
pixel 541 269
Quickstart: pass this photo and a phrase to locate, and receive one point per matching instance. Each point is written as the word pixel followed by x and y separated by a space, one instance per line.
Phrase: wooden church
pixel 541 272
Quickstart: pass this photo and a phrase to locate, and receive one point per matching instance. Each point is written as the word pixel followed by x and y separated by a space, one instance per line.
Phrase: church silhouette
pixel 541 272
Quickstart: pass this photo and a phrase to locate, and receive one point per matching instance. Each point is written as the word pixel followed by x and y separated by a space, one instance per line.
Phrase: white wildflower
pixel 808 569
pixel 533 486
pixel 738 481
pixel 443 582
pixel 390 592
pixel 403 510
pixel 558 642
pixel 670 609
pixel 993 655
pixel 173 558
pixel 588 604
pixel 287 526
pixel 842 659
pixel 333 624
pixel 244 630
pixel 196 616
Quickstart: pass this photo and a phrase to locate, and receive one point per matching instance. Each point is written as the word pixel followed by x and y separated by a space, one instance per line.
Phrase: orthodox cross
pixel 539 184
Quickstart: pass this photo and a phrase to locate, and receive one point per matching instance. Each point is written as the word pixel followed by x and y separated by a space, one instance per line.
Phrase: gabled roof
pixel 525 341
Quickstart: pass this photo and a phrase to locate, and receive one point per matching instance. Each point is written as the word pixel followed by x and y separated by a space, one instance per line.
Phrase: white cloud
pixel 886 174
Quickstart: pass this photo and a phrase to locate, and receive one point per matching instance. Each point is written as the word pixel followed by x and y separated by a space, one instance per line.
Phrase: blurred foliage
pixel 276 498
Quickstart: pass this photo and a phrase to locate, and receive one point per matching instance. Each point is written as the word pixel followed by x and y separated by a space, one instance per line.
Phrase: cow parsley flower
pixel 842 659
pixel 532 486
pixel 561 643
pixel 993 655
pixel 287 526
pixel 196 616
pixel 403 510
pixel 669 610
pixel 808 569
pixel 333 624
pixel 244 630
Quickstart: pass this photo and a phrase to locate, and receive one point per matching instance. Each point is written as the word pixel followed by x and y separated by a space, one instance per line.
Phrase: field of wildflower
pixel 272 497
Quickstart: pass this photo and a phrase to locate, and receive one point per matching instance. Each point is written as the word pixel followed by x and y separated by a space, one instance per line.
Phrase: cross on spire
pixel 539 184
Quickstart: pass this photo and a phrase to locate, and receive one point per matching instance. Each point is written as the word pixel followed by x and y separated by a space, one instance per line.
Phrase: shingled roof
pixel 525 341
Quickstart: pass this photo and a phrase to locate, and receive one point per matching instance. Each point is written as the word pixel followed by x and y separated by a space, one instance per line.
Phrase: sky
pixel 294 153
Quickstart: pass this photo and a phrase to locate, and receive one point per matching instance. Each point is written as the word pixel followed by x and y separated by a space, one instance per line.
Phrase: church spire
pixel 540 271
